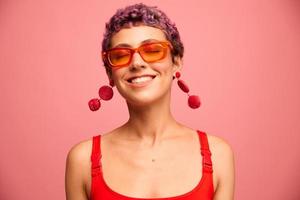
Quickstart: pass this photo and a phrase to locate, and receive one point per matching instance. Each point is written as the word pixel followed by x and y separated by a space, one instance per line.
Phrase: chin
pixel 140 101
pixel 145 100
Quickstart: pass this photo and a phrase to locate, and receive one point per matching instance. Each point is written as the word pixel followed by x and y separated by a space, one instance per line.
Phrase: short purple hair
pixel 141 14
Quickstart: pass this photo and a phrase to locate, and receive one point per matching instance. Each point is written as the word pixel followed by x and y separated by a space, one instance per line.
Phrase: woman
pixel 151 156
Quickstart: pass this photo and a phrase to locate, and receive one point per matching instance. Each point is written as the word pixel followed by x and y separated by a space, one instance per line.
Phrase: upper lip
pixel 138 76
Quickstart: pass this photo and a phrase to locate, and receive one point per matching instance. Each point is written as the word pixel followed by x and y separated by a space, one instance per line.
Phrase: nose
pixel 137 61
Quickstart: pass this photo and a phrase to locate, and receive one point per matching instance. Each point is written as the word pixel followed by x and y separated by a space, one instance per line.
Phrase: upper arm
pixel 75 173
pixel 224 167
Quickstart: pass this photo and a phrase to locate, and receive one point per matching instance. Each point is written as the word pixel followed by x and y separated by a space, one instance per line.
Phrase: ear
pixel 177 64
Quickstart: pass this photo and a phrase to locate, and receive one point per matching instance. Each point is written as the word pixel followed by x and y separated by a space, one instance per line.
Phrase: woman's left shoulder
pixel 219 146
pixel 222 156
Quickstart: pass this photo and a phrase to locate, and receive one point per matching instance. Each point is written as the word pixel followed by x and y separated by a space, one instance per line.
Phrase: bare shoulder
pixel 77 170
pixel 78 157
pixel 222 152
pixel 219 145
pixel 80 151
pixel 223 166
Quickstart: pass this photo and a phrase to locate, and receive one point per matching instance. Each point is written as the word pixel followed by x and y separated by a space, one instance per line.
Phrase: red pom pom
pixel 177 74
pixel 194 101
pixel 94 104
pixel 106 92
pixel 183 86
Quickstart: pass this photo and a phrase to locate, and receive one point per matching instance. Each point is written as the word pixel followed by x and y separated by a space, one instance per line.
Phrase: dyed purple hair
pixel 141 14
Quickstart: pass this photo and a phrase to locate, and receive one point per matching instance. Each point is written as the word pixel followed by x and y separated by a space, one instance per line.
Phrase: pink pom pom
pixel 194 101
pixel 106 92
pixel 183 86
pixel 94 104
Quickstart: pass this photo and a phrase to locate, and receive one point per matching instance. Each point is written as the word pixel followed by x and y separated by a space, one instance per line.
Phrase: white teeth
pixel 141 79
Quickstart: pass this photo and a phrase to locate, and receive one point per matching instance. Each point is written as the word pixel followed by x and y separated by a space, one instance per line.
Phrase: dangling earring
pixel 193 100
pixel 105 93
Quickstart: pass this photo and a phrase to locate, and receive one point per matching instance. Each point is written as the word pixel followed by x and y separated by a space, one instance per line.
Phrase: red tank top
pixel 204 189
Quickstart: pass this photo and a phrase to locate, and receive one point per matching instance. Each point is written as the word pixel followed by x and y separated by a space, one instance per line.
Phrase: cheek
pixel 117 74
pixel 164 63
pixel 165 75
pixel 165 66
pixel 163 69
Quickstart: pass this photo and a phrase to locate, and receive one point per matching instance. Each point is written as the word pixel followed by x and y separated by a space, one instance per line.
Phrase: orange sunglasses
pixel 150 52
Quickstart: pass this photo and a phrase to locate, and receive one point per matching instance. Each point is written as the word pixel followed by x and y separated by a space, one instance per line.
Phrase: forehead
pixel 135 35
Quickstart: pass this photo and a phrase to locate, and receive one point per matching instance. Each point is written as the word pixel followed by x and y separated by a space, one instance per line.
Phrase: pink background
pixel 242 58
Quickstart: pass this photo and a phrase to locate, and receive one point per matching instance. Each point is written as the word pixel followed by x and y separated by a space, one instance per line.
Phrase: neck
pixel 152 123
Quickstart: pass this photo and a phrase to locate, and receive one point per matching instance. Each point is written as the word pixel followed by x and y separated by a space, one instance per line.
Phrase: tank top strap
pixel 96 156
pixel 205 152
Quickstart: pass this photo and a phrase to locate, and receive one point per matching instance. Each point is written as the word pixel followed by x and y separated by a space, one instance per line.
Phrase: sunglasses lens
pixel 153 52
pixel 119 57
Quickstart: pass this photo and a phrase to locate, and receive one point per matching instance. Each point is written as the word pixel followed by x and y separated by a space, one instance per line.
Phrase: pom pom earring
pixel 193 100
pixel 105 93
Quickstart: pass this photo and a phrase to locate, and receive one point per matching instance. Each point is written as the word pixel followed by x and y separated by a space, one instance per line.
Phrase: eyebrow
pixel 128 45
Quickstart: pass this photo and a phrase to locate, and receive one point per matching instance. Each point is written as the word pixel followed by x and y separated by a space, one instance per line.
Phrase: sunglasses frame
pixel 105 54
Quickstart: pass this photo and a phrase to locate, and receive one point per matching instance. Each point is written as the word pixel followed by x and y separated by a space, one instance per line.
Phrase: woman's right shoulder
pixel 78 169
pixel 82 150
pixel 78 158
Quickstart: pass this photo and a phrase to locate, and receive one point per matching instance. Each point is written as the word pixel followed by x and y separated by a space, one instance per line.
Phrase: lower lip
pixel 139 85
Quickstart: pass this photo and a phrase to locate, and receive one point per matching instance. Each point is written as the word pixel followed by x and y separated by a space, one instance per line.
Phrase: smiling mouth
pixel 140 80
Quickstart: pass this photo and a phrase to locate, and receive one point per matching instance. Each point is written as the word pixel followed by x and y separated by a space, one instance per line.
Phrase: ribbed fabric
pixel 203 191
